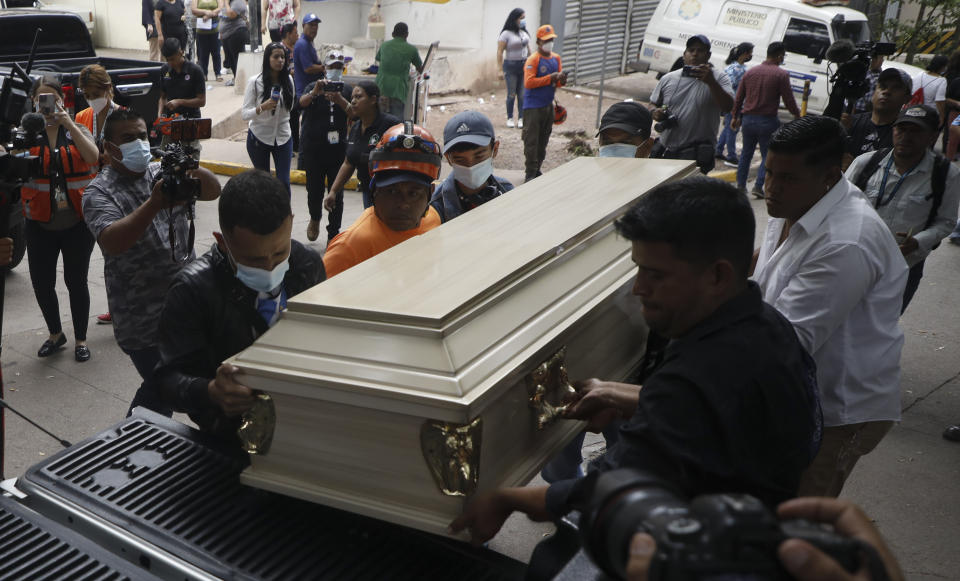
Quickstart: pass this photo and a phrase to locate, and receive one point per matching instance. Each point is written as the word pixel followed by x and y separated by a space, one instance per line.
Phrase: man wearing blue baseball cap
pixel 470 145
pixel 307 67
pixel 687 105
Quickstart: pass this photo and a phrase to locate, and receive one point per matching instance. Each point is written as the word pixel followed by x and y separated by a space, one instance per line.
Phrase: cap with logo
pixel 923 115
pixel 898 76
pixel 468 127
pixel 627 116
pixel 545 32
pixel 702 39
pixel 311 18
pixel 333 56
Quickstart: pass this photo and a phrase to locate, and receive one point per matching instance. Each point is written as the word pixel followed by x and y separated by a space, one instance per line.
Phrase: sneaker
pixel 510 122
pixel 228 83
pixel 731 161
pixel 313 230
pixel 519 123
pixel 757 193
pixel 104 319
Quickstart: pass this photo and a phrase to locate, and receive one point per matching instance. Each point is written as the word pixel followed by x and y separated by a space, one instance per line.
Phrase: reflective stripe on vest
pixel 36 195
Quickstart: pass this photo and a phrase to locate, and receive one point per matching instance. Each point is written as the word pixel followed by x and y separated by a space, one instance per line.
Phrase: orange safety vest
pixel 37 195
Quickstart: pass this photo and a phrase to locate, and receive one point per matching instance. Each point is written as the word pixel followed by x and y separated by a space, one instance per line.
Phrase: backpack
pixel 941 166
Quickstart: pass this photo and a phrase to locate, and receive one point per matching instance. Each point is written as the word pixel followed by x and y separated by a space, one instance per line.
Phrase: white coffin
pixel 445 328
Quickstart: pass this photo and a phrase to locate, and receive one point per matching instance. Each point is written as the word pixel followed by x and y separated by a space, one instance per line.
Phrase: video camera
pixel 19 129
pixel 177 157
pixel 849 82
pixel 732 536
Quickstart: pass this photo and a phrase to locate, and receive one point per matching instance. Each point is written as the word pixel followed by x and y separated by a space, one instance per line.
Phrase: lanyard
pixel 883 184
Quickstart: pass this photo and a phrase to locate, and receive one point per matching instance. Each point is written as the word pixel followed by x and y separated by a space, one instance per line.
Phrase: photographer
pixel 131 218
pixel 801 560
pixel 54 218
pixel 688 104
pixel 733 405
pixel 221 302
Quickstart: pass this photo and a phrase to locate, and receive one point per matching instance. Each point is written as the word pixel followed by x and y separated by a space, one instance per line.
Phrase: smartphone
pixel 333 87
pixel 687 71
pixel 275 93
pixel 46 103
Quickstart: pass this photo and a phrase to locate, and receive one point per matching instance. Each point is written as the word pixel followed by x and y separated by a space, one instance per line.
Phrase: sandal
pixel 219 79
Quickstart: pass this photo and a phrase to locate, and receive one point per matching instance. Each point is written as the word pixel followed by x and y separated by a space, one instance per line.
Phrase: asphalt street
pixel 909 484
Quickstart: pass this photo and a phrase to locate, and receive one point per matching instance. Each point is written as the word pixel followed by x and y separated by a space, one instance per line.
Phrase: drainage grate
pixel 33 547
pixel 168 485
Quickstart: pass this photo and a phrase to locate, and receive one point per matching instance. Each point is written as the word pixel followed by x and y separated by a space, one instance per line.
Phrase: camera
pixel 729 535
pixel 687 71
pixel 177 157
pixel 669 121
pixel 46 103
pixel 849 83
pixel 333 87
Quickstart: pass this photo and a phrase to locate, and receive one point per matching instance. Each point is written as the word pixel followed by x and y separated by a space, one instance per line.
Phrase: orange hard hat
pixel 406 147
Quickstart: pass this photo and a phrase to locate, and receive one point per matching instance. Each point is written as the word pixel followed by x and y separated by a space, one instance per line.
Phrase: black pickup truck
pixel 64 48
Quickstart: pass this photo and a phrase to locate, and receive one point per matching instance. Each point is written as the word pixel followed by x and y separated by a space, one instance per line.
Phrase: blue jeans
pixel 728 138
pixel 757 130
pixel 566 464
pixel 513 75
pixel 260 153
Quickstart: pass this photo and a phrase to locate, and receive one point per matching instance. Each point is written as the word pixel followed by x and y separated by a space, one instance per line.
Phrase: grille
pixel 168 485
pixel 35 548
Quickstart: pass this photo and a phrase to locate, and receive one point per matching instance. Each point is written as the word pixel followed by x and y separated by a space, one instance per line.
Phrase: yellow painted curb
pixel 227 168
pixel 727 175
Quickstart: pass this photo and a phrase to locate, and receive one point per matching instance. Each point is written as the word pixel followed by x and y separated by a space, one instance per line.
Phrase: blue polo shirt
pixel 304 56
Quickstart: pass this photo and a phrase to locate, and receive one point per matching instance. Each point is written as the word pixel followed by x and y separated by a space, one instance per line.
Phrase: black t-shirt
pixel 733 407
pixel 187 84
pixel 360 143
pixel 171 19
pixel 953 89
pixel 323 116
pixel 864 136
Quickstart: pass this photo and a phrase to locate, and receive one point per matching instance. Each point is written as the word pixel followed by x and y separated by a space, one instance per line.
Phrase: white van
pixel 800 26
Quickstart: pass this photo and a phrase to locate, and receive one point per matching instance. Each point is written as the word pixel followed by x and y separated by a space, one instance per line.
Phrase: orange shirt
pixel 85 117
pixel 368 237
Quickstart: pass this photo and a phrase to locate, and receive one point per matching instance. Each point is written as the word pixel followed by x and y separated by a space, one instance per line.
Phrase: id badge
pixel 333 137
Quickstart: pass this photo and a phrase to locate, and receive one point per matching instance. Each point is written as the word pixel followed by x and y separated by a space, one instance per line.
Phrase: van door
pixel 800 35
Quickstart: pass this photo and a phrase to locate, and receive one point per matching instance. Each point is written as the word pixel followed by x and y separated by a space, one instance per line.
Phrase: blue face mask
pixel 618 150
pixel 136 155
pixel 334 75
pixel 523 24
pixel 261 280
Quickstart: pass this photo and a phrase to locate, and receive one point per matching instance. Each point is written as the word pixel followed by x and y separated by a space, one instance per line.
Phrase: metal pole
pixel 603 62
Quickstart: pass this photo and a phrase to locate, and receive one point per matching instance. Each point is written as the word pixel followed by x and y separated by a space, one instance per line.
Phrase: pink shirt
pixel 761 89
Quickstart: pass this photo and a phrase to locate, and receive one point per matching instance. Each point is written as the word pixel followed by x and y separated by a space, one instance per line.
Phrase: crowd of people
pixel 797 342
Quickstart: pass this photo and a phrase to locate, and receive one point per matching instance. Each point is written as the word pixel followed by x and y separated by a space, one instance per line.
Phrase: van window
pixel 801 35
pixel 857 30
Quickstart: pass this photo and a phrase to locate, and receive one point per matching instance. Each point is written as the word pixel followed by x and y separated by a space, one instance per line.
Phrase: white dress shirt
pixel 910 206
pixel 839 278
pixel 270 129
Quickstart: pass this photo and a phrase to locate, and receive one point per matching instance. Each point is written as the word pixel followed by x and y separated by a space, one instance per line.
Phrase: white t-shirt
pixel 518 45
pixel 934 88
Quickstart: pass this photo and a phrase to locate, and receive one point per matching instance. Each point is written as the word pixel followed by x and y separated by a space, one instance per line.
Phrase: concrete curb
pixel 227 168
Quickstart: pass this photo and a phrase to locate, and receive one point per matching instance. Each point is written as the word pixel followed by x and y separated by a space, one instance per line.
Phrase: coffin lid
pixel 397 323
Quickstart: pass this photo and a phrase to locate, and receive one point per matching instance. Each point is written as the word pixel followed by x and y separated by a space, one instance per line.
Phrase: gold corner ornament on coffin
pixel 257 425
pixel 452 451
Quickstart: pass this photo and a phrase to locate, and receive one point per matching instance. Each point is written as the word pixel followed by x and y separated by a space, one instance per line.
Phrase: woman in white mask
pixel 54 217
pixel 96 87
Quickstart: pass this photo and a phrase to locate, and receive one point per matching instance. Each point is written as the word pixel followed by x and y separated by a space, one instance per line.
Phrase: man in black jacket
pixel 221 302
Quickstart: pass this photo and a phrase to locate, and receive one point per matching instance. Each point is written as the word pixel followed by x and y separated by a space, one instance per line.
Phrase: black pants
pixel 321 165
pixel 295 128
pixel 44 248
pixel 913 283
pixel 537 127
pixel 233 46
pixel 148 395
pixel 208 45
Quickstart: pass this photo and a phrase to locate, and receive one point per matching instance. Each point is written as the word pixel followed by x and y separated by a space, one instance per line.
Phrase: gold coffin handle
pixel 257 425
pixel 548 384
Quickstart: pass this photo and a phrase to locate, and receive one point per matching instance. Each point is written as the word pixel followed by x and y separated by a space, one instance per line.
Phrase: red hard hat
pixel 559 113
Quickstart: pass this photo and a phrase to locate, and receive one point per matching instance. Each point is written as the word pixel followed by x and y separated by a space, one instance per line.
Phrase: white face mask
pixel 618 150
pixel 474 176
pixel 261 280
pixel 334 74
pixel 548 46
pixel 98 104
